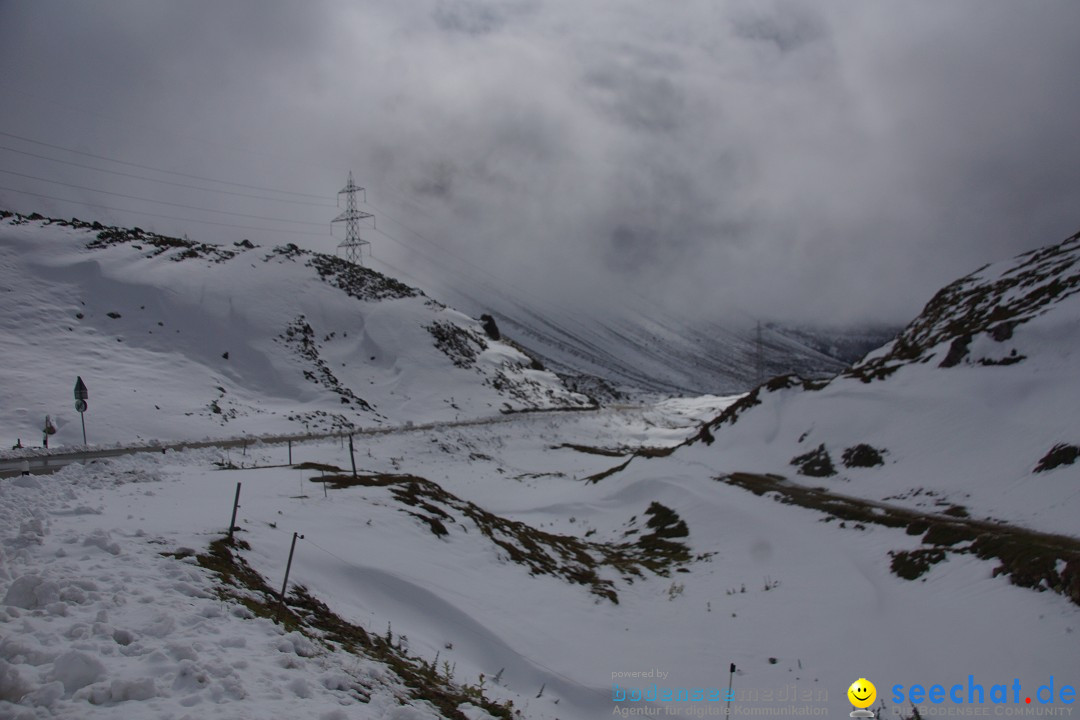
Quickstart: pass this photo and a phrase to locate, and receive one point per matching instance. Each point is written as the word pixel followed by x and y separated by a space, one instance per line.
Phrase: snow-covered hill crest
pixel 976 316
pixel 972 407
pixel 179 339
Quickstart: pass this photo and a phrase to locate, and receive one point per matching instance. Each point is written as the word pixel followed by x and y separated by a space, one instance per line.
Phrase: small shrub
pixel 862 455
pixel 917 527
pixel 815 463
pixel 910 565
pixel 1060 454
pixel 948 534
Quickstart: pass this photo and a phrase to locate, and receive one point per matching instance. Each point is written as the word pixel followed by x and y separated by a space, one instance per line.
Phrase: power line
pixel 165 182
pixel 155 169
pixel 160 202
pixel 166 217
pixel 571 315
pixel 158 129
pixel 439 246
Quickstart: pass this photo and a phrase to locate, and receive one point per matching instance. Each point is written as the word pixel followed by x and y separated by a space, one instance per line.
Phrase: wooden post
pixel 352 456
pixel 235 507
pixel 290 452
pixel 731 674
pixel 288 566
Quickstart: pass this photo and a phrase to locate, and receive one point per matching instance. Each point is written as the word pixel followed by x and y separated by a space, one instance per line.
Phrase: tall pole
pixel 731 674
pixel 288 566
pixel 81 395
pixel 235 507
pixel 352 456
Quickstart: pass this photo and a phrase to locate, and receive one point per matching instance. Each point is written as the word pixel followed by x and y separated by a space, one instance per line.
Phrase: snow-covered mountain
pixel 178 339
pixel 638 345
pixel 910 521
pixel 660 353
pixel 972 406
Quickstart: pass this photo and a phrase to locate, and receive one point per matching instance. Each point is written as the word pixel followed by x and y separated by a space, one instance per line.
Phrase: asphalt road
pixel 46 464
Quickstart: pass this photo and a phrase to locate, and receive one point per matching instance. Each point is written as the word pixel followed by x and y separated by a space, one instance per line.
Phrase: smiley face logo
pixel 862 693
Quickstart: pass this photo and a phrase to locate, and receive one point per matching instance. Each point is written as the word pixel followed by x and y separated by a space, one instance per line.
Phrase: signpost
pixel 81 394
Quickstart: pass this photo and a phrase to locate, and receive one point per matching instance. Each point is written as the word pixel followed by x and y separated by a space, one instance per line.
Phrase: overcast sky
pixel 822 162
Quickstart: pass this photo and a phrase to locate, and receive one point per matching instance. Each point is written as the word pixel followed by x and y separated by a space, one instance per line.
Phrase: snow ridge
pixel 178 339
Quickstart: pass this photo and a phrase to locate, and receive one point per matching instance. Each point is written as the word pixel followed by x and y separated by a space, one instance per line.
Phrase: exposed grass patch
pixel 917 527
pixel 589 450
pixel 733 412
pixel 534 362
pixel 1011 359
pixel 609 472
pixel 862 456
pixel 137 238
pixel 300 337
pixel 947 534
pixel 912 564
pixel 244 585
pixel 305 614
pixel 1060 454
pixel 321 467
pixel 543 553
pixel 340 482
pixel 654 452
pixel 461 345
pixel 816 463
pixel 1041 561
pixel 360 282
pixel 658 550
pixel 645 452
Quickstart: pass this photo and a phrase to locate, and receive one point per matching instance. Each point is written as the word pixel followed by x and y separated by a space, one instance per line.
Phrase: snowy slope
pixel 660 353
pixel 638 345
pixel 540 560
pixel 480 552
pixel 964 408
pixel 177 339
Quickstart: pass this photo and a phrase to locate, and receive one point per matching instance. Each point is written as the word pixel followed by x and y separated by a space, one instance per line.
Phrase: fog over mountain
pixel 823 164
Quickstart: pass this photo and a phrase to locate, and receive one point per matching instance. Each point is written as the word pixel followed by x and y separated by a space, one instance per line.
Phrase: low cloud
pixel 812 163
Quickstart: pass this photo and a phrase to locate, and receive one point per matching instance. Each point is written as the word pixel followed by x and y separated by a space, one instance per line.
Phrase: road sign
pixel 81 392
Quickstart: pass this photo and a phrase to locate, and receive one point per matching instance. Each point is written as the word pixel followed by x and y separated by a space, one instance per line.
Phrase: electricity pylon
pixel 353 244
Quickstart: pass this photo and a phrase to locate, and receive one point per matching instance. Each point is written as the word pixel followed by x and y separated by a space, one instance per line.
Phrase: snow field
pixel 832 611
